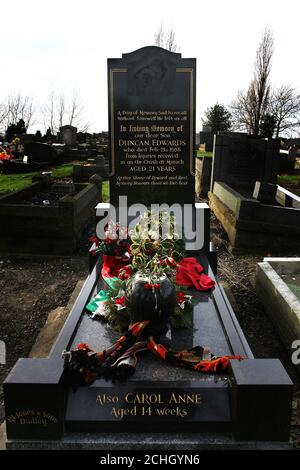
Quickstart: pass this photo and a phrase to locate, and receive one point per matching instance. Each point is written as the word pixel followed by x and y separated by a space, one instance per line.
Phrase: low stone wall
pixel 287 199
pixel 281 304
pixel 203 175
pixel 32 229
pixel 255 227
pixel 82 172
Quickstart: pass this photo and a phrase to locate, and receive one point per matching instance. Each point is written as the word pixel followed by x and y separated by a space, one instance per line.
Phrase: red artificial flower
pixel 169 261
pixel 83 346
pixel 120 301
pixel 95 240
pixel 180 297
pixel 125 273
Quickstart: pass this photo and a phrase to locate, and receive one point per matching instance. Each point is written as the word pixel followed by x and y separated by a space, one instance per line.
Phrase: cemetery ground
pixel 13 182
pixel 32 288
pixel 290 182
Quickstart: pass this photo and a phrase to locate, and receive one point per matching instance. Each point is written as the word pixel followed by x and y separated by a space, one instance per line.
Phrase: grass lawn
pixel 105 191
pixel 10 183
pixel 63 171
pixel 200 153
pixel 290 183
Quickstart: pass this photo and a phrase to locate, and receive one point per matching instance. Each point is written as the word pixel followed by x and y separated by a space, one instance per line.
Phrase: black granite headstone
pixel 207 138
pixel 152 127
pixel 39 152
pixel 240 161
pixel 265 192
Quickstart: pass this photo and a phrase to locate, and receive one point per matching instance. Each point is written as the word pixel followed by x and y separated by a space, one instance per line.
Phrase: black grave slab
pixel 216 403
pixel 40 152
pixel 152 127
pixel 152 131
pixel 159 380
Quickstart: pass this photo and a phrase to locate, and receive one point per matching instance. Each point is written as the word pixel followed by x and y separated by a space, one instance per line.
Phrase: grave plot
pixel 262 217
pixel 36 157
pixel 83 171
pixel 47 219
pixel 152 129
pixel 278 285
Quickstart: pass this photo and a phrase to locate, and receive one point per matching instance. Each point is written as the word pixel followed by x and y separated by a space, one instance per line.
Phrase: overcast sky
pixel 63 45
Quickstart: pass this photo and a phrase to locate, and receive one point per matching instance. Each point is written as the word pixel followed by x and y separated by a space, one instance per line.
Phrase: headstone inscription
pixel 152 126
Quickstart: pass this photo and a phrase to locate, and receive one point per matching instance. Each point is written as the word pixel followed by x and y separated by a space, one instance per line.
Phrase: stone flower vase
pixel 151 298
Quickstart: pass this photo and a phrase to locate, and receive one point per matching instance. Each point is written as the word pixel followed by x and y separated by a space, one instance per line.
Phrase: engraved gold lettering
pixel 144 398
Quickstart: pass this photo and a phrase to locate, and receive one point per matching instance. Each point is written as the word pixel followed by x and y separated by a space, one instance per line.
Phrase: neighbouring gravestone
pixel 240 161
pixel 207 138
pixel 265 192
pixel 287 160
pixel 83 171
pixel 203 175
pixel 40 152
pixel 68 135
pixel 152 126
pixel 28 138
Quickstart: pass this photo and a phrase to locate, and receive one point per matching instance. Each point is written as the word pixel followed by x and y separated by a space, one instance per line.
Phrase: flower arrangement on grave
pixel 143 295
pixel 4 155
pixel 140 271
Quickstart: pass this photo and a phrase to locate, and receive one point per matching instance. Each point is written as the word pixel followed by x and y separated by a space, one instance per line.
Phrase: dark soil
pixel 29 291
pixel 51 195
pixel 43 198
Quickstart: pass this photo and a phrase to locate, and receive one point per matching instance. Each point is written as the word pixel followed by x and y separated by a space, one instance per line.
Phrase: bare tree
pixel 75 110
pixel 48 112
pixel 285 107
pixel 159 36
pixel 76 114
pixel 61 111
pixel 249 108
pixel 3 113
pixel 19 107
pixel 166 39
